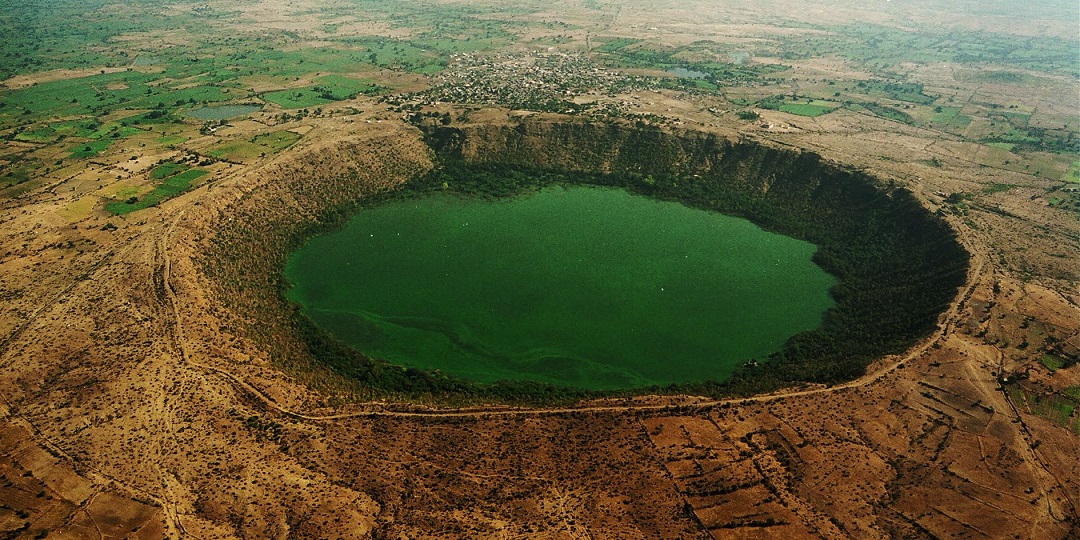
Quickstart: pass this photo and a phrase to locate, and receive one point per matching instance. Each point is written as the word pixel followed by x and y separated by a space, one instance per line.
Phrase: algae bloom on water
pixel 586 287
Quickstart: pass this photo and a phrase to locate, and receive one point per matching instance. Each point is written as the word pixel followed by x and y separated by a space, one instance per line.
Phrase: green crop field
pixel 258 146
pixel 338 87
pixel 1073 174
pixel 909 92
pixel 949 119
pixel 801 106
pixel 18 173
pixel 298 98
pixel 90 148
pixel 40 134
pixel 887 112
pixel 276 141
pixel 167 169
pixel 1053 407
pixel 1052 362
pixel 236 151
pixel 327 89
pixel 169 188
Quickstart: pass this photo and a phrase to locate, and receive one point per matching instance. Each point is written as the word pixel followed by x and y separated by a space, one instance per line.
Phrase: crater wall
pixel 898 265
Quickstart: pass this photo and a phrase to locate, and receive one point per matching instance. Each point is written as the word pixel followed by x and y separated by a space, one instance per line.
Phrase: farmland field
pixel 167 189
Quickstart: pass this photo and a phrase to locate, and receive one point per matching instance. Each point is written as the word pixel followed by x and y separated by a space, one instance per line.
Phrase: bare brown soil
pixel 135 402
pixel 127 380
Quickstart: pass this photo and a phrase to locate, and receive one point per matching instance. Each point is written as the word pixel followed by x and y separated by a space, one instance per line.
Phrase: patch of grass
pixel 727 73
pixel 276 141
pixel 43 134
pixel 1072 392
pixel 167 169
pixel 1010 77
pixel 1069 200
pixel 78 209
pixel 1002 145
pixel 85 129
pixel 997 188
pixel 1053 407
pixel 115 131
pixel 18 173
pixel 798 105
pixel 339 87
pixel 908 92
pixel 1073 174
pixel 101 94
pixel 258 146
pixel 90 148
pixel 39 36
pixel 124 192
pixel 887 112
pixel 687 84
pixel 168 97
pixel 450 45
pixel 168 140
pixel 633 53
pixel 238 151
pixel 171 187
pixel 944 115
pixel 616 44
pixel 86 96
pixel 153 117
pixel 76 128
pixel 1016 119
pixel 812 109
pixel 298 98
pixel 88 129
pixel 881 47
pixel 1052 362
pixel 949 118
pixel 1034 139
pixel 400 55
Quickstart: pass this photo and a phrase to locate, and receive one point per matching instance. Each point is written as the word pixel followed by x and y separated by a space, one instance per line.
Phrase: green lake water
pixel 585 287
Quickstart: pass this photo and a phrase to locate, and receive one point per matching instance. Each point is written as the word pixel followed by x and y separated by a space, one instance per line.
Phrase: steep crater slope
pixel 898 265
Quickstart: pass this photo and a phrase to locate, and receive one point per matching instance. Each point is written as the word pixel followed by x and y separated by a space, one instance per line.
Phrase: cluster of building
pixel 552 82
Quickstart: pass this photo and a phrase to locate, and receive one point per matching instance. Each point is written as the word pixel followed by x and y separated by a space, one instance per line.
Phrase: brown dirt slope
pixel 137 402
